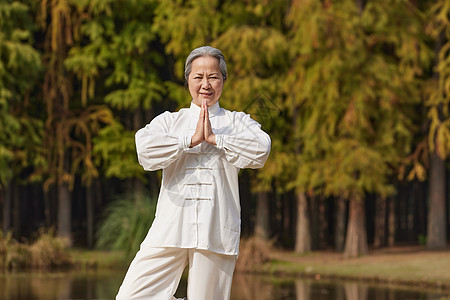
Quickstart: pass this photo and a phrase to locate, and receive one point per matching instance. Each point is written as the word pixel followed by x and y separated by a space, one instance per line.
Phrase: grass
pixel 412 266
pixel 98 259
pixel 126 222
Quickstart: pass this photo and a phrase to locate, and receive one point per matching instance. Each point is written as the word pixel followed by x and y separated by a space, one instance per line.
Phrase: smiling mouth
pixel 206 94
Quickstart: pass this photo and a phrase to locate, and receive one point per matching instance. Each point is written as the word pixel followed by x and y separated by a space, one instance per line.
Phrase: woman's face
pixel 205 80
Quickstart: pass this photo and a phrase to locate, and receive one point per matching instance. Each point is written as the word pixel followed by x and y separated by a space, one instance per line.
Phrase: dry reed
pixel 48 251
pixel 253 253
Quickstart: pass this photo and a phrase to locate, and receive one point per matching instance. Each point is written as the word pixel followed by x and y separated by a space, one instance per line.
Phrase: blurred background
pixel 354 94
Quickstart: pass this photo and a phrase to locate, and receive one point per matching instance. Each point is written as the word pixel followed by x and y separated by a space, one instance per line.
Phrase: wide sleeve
pixel 247 146
pixel 156 147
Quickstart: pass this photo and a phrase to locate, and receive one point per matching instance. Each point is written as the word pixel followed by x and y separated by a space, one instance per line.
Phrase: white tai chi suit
pixel 197 217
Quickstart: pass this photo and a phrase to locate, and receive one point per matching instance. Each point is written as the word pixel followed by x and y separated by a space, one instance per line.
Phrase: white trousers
pixel 155 274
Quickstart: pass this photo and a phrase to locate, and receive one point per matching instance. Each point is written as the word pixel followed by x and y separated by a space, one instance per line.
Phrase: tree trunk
pixel 90 215
pixel 7 208
pixel 420 211
pixel 323 222
pixel 244 183
pixel 401 214
pixel 356 241
pixel 391 223
pixel 360 4
pixel 302 289
pixel 380 222
pixel 262 216
pixel 303 238
pixel 314 227
pixel 339 229
pixel 287 208
pixel 17 207
pixel 2 206
pixel 356 291
pixel 437 227
pixel 64 212
pixel 47 206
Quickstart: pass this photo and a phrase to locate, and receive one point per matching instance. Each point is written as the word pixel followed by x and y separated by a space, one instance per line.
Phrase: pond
pixel 104 285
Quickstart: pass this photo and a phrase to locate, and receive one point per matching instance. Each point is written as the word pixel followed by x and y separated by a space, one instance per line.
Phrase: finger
pixel 207 131
pixel 202 110
pixel 206 122
pixel 206 111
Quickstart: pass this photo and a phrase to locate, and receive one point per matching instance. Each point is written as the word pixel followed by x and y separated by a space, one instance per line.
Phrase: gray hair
pixel 205 51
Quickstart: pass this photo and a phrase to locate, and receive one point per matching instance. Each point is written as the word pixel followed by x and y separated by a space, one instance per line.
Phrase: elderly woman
pixel 200 150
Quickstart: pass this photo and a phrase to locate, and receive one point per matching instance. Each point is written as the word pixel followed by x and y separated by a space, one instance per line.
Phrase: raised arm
pixel 247 146
pixel 156 148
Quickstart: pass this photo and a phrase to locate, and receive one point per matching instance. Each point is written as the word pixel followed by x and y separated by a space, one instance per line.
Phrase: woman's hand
pixel 209 136
pixel 199 136
pixel 203 131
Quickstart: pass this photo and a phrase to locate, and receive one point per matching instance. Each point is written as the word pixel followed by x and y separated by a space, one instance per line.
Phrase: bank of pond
pixel 103 284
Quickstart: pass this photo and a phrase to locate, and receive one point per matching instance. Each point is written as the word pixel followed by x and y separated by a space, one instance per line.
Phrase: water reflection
pixel 250 287
pixel 104 285
pixel 65 285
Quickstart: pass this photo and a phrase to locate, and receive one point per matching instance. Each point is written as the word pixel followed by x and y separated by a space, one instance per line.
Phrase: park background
pixel 354 94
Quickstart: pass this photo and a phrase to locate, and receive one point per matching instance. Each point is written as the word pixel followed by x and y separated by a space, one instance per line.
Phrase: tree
pixel 70 125
pixel 439 130
pixel 251 36
pixel 21 129
pixel 117 59
pixel 353 99
pixel 117 62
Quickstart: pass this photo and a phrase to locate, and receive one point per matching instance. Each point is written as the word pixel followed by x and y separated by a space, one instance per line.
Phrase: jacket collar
pixel 212 110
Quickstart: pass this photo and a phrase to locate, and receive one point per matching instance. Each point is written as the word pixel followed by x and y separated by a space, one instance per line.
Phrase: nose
pixel 205 83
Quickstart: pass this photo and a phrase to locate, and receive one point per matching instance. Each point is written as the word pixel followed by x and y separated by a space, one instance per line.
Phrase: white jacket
pixel 198 205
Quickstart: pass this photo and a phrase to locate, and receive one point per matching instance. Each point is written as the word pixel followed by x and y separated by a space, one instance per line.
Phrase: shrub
pixel 126 222
pixel 18 256
pixel 49 251
pixel 5 243
pixel 253 253
pixel 12 254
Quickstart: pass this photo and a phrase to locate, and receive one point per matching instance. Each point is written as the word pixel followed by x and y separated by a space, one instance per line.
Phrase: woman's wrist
pixel 194 141
pixel 212 139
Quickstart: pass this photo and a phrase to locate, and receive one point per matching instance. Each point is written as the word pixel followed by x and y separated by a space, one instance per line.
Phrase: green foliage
pixel 20 67
pixel 115 150
pixel 116 37
pixel 438 101
pixel 351 98
pixel 185 25
pixel 126 222
pixel 117 63
pixel 251 35
pixel 340 86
